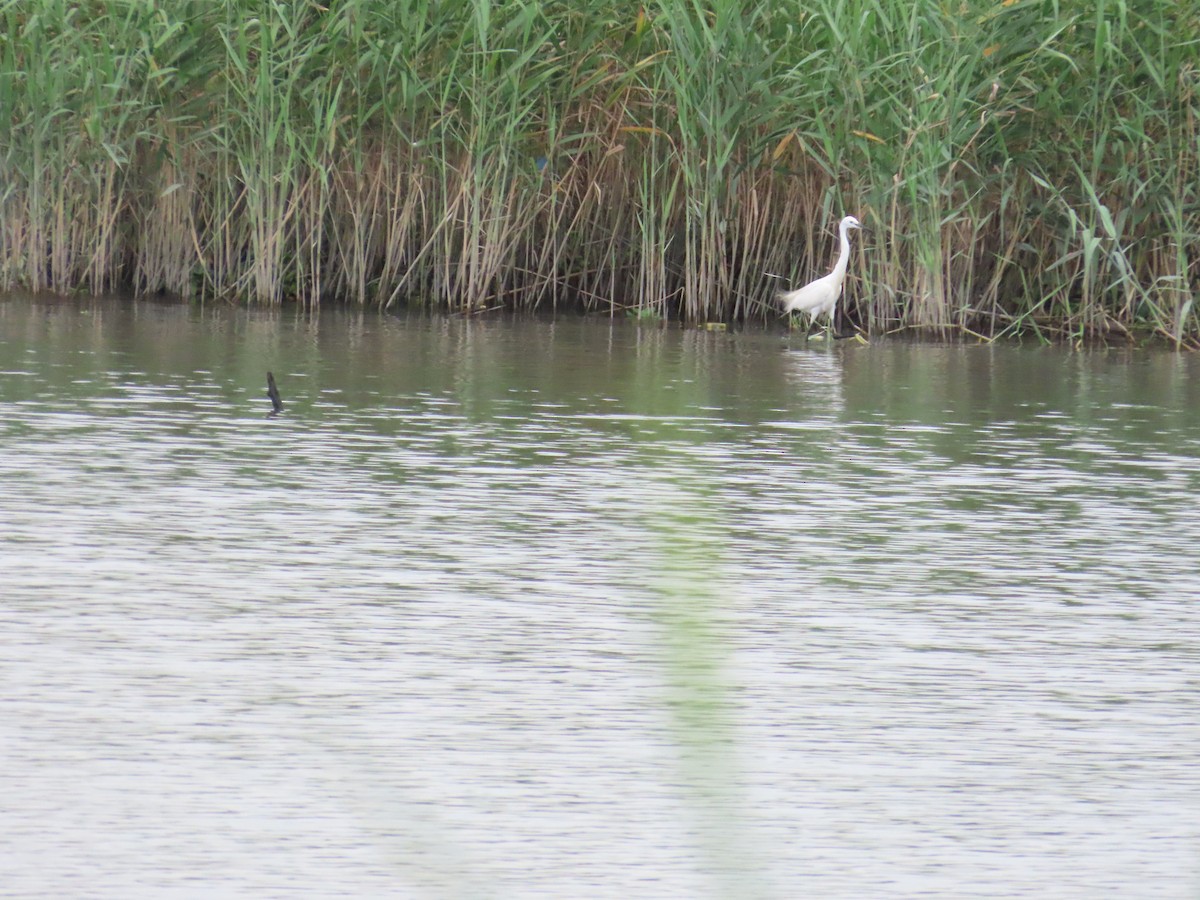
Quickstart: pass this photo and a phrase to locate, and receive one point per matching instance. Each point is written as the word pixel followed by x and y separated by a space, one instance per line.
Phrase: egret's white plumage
pixel 820 297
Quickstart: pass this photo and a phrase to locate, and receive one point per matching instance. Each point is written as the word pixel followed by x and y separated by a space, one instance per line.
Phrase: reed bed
pixel 1027 166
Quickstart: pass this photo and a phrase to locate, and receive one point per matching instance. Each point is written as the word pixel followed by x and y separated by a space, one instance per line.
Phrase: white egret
pixel 819 298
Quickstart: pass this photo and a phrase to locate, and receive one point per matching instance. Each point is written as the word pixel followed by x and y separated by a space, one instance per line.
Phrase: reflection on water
pixel 413 638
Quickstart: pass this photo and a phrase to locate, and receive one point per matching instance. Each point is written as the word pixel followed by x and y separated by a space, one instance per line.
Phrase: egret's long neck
pixel 843 259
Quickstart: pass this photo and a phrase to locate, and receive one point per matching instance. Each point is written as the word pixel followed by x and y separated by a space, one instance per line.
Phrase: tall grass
pixel 1027 165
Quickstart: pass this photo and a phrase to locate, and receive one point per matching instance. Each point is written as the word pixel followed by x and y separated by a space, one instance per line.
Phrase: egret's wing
pixel 810 299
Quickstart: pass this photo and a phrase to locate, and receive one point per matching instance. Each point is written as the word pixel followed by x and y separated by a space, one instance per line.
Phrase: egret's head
pixel 851 222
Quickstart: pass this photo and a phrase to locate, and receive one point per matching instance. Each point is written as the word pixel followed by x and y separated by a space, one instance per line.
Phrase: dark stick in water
pixel 273 393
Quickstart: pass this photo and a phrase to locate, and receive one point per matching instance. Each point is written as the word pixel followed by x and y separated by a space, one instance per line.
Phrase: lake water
pixel 581 609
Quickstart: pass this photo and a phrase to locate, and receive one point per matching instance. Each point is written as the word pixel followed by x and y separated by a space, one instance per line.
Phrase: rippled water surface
pixel 580 609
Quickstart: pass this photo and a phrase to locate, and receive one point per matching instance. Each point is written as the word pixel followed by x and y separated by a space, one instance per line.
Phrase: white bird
pixel 820 297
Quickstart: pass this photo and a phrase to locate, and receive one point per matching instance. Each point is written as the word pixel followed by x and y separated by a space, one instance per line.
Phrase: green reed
pixel 1027 166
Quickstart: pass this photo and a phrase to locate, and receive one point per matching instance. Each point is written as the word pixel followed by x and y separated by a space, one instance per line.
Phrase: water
pixel 530 609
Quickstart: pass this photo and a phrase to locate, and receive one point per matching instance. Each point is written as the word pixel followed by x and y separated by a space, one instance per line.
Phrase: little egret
pixel 819 298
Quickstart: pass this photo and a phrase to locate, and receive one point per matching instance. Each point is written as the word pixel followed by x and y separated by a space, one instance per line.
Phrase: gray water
pixel 582 609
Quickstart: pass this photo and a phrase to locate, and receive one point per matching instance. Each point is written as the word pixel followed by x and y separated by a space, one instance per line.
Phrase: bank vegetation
pixel 1026 166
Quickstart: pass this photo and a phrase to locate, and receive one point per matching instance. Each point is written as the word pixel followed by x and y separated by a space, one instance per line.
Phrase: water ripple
pixel 442 628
